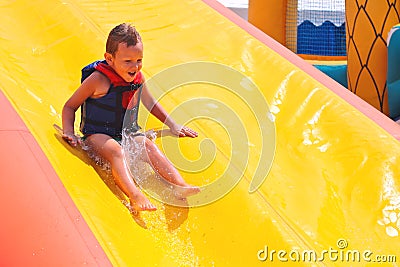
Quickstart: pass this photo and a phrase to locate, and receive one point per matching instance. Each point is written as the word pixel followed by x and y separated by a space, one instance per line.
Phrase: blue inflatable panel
pixel 393 74
pixel 336 72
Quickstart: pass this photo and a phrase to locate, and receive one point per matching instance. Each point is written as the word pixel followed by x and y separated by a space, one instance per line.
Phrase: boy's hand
pixel 183 131
pixel 72 139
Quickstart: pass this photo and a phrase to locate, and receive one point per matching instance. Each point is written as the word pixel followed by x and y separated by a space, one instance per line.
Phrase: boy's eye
pixel 130 61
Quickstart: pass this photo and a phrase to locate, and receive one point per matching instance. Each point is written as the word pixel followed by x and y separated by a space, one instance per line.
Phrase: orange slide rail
pixel 40 225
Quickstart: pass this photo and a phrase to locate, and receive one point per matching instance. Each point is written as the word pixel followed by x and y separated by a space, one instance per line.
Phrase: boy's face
pixel 127 61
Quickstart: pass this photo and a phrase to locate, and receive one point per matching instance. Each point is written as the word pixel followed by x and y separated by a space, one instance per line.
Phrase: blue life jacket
pixel 106 114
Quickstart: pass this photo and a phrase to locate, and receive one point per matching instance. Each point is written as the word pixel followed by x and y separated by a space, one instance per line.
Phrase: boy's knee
pixel 140 139
pixel 150 146
pixel 143 140
pixel 116 152
pixel 146 143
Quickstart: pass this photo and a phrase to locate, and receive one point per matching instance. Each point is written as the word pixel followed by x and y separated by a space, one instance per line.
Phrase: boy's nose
pixel 135 66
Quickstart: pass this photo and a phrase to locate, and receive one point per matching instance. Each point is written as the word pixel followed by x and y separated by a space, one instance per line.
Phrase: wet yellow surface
pixel 334 175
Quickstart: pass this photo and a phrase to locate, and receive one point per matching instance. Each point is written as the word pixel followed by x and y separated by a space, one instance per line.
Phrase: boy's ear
pixel 108 57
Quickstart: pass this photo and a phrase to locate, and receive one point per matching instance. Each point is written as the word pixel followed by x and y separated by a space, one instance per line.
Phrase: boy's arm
pixel 158 111
pixel 85 90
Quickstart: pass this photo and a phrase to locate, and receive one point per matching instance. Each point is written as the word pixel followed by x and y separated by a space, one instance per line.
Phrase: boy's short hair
pixel 123 33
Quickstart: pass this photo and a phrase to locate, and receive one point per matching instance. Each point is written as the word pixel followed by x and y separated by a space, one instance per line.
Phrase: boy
pixel 105 96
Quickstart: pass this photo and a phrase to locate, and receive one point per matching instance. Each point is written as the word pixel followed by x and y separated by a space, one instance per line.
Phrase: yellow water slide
pixel 331 196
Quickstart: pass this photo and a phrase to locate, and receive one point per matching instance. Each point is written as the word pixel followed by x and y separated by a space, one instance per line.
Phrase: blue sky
pixel 303 4
pixel 234 3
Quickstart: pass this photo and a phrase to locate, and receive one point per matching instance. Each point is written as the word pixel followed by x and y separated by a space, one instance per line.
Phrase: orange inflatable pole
pixel 270 17
pixel 368 24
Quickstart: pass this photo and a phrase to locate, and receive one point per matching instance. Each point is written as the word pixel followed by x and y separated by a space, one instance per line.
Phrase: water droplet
pixel 393 217
pixel 386 220
pixel 391 231
pixel 381 222
pixel 395 201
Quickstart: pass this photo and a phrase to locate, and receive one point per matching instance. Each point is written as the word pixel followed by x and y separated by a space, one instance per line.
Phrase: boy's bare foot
pixel 186 191
pixel 141 203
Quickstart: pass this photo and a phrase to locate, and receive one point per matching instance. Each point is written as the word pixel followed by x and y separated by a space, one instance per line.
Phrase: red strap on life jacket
pixel 115 79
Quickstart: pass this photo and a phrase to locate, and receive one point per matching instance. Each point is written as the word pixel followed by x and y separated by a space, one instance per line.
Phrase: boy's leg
pixel 165 169
pixel 111 150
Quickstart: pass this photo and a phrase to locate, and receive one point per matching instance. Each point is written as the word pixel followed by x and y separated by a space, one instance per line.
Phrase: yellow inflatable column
pixel 368 24
pixel 270 17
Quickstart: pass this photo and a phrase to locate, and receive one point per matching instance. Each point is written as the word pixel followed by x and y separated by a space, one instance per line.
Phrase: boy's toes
pixel 184 192
pixel 149 207
pixel 140 203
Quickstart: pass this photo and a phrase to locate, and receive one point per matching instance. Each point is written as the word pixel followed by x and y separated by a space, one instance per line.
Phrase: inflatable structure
pixel 347 40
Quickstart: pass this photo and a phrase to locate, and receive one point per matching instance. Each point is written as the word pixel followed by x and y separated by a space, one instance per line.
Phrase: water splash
pixel 176 243
pixel 144 174
pixel 391 211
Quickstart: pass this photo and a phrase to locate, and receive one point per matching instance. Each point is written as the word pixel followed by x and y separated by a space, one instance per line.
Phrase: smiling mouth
pixel 132 74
